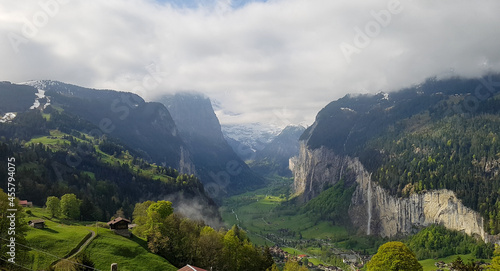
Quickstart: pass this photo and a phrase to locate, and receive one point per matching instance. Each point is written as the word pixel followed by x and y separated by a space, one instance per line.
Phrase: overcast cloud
pixel 275 62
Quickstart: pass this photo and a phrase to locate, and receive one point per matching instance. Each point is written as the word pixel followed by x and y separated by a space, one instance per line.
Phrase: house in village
pixel 37 223
pixel 120 226
pixel 191 268
pixel 25 203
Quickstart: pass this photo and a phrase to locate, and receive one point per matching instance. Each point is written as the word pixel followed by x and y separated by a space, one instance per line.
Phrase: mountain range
pixel 216 163
pixel 88 134
pixel 393 151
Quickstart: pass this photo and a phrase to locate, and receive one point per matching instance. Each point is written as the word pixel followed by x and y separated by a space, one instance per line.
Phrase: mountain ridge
pixel 218 165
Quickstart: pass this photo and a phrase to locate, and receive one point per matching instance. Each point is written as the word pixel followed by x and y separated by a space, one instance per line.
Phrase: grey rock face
pixel 373 210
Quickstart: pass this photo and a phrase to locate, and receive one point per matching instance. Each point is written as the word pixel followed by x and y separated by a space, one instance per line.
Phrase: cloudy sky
pixel 276 62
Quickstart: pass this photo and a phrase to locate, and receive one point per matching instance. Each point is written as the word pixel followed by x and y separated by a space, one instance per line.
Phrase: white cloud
pixel 255 60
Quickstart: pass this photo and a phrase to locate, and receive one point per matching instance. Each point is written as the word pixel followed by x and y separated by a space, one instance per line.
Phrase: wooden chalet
pixel 25 203
pixel 191 268
pixel 37 223
pixel 120 226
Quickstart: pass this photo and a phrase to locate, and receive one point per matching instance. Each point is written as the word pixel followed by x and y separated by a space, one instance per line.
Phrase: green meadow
pixel 130 254
pixel 55 241
pixel 60 237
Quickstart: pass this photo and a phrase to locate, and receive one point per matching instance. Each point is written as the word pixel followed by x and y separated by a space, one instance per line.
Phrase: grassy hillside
pixel 54 242
pixel 129 254
pixel 60 237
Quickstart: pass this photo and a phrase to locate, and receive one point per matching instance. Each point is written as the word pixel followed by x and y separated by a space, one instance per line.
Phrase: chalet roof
pixel 191 268
pixel 116 220
pixel 36 221
pixel 23 202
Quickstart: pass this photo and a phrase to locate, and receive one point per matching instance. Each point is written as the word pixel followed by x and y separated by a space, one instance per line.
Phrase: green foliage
pixel 183 241
pixel 332 204
pixel 459 265
pixel 495 262
pixel 54 206
pixel 70 206
pixel 140 218
pixel 294 266
pixel 394 256
pixel 160 210
pixel 436 241
pixel 24 126
pixel 110 147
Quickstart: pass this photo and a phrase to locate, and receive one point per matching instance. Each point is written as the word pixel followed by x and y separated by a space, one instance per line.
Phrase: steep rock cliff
pixel 313 169
pixel 373 210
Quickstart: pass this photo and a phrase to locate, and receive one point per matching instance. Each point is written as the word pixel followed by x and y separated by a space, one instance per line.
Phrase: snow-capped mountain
pixel 246 139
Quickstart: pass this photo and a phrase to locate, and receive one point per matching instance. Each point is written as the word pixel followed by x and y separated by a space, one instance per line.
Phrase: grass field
pixel 53 242
pixel 257 213
pixel 130 254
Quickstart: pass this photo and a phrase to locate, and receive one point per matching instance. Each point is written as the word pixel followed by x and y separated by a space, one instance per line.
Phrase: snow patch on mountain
pixel 252 135
pixel 347 109
pixel 8 117
pixel 384 96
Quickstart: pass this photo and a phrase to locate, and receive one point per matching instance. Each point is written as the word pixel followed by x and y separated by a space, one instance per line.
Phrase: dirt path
pixel 80 248
pixel 84 245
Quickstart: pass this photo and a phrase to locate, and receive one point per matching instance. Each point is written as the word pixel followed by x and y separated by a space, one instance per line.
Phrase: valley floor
pixel 270 221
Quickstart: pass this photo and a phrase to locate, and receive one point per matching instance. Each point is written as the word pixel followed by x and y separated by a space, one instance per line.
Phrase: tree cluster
pixel 438 242
pixel 394 256
pixel 183 241
pixel 332 204
pixel 69 206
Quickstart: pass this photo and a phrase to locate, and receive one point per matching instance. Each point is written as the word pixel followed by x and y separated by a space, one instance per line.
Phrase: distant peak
pixel 293 127
pixel 188 94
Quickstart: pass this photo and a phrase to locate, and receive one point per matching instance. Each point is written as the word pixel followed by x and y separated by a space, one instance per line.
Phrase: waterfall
pixel 369 195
